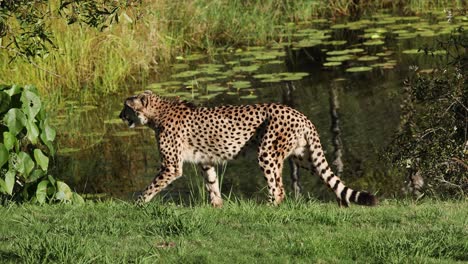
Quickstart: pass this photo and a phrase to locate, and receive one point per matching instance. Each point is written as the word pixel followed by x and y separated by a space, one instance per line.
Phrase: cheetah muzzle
pixel 207 136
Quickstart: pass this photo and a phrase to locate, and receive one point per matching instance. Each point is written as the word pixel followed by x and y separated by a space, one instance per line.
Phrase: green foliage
pixel 25 24
pixel 25 146
pixel 433 135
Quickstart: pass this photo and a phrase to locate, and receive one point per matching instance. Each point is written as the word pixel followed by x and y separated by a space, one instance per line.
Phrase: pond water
pixel 364 62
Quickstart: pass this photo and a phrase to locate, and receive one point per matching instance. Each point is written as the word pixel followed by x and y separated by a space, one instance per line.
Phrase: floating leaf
pixel 293 76
pixel 250 68
pixel 359 69
pixel 338 52
pixel 185 74
pixel 216 88
pixel 368 58
pixel 374 42
pixel 241 84
pixel 332 63
pixel 340 58
pixel 250 96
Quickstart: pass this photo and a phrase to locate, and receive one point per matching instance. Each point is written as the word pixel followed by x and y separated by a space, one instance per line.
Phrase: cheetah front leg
pixel 165 176
pixel 212 185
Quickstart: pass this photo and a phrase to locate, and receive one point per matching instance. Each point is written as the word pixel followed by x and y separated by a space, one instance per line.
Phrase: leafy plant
pixel 432 143
pixel 26 145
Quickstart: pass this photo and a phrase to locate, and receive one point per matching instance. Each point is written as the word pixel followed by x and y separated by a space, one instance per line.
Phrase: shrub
pixel 26 145
pixel 432 141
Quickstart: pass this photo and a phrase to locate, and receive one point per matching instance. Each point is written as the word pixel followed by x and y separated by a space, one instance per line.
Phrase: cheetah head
pixel 134 112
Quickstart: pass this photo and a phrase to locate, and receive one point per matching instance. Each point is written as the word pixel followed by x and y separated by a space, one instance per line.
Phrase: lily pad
pixel 332 63
pixel 250 96
pixel 241 84
pixel 216 88
pixel 250 68
pixel 185 74
pixel 375 42
pixel 340 58
pixel 368 58
pixel 359 69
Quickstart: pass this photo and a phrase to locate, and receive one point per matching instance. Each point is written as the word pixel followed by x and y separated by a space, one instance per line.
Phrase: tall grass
pixel 87 62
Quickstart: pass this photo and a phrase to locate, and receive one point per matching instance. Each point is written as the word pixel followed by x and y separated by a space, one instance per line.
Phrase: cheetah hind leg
pixel 295 177
pixel 212 185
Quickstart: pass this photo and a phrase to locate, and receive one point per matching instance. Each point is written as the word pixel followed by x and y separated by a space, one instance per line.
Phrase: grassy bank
pixel 88 62
pixel 245 232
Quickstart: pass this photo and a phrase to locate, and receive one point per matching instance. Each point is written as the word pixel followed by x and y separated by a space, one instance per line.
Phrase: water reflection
pixel 98 154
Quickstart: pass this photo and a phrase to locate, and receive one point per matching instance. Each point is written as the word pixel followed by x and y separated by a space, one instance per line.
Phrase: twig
pixel 460 162
pixel 32 62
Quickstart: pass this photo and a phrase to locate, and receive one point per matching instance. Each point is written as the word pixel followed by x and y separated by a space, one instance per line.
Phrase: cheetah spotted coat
pixel 206 136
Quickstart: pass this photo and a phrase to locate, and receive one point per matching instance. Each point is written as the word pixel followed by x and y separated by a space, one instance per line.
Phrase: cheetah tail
pixel 343 194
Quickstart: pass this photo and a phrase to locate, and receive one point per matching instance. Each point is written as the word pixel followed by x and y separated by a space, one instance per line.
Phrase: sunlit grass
pixel 241 232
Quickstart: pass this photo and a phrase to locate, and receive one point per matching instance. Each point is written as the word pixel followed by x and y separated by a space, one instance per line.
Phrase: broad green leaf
pixel 3 155
pixel 51 179
pixel 41 159
pixel 35 175
pixel 49 145
pixel 9 140
pixel 15 120
pixel 31 88
pixel 77 199
pixel 48 132
pixel 15 89
pixel 3 188
pixel 4 102
pixel 31 104
pixel 41 192
pixel 26 164
pixel 63 191
pixel 10 181
pixel 33 131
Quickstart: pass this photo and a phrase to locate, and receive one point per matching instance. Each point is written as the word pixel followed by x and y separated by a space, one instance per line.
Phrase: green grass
pixel 241 232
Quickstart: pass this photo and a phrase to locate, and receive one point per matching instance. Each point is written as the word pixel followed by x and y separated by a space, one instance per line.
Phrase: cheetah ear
pixel 144 99
pixel 130 101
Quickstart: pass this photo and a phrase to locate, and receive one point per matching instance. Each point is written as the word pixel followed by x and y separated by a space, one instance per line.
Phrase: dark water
pixel 99 154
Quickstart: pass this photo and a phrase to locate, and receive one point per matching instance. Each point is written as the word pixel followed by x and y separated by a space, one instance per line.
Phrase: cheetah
pixel 207 136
